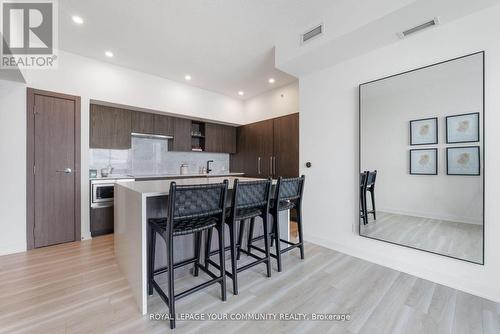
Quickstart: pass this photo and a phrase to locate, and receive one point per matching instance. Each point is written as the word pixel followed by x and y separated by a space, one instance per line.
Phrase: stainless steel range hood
pixel 151 136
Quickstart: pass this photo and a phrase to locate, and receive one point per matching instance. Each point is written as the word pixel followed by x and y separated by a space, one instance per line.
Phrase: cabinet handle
pixel 258 165
pixel 271 166
pixel 274 166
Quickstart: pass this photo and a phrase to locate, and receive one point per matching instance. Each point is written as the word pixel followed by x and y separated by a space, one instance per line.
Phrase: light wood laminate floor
pixel 460 240
pixel 78 288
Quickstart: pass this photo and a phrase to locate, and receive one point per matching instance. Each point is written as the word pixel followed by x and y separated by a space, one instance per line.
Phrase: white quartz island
pixel 135 203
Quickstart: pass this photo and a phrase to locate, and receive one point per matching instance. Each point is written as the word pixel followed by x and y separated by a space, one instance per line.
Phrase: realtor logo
pixel 29 34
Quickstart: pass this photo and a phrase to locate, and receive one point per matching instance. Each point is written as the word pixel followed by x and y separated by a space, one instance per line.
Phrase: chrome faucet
pixel 208 166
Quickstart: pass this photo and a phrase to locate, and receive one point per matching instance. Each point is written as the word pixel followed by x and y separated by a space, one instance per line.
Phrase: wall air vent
pixel 428 24
pixel 311 34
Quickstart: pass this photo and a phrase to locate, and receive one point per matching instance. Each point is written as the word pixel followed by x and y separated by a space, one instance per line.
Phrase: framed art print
pixel 463 161
pixel 424 131
pixel 423 161
pixel 462 128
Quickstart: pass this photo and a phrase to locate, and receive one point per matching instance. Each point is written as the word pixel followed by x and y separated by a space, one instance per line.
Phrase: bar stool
pixel 249 201
pixel 363 182
pixel 288 195
pixel 191 210
pixel 370 186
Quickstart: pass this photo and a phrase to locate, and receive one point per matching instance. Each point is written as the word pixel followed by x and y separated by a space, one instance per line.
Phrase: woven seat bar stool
pixel 288 195
pixel 249 201
pixel 191 210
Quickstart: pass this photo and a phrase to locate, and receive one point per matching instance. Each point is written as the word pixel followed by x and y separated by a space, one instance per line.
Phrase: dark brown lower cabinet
pixel 268 148
pixel 101 221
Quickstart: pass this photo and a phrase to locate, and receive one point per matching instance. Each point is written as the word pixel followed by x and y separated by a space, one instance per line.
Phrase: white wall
pixel 277 102
pixel 92 80
pixel 387 108
pixel 329 139
pixel 12 167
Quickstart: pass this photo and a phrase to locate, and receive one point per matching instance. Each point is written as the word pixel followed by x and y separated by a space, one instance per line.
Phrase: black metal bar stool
pixel 288 195
pixel 370 186
pixel 249 201
pixel 191 210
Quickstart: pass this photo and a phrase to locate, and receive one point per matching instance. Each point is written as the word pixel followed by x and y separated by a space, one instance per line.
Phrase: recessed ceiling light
pixel 241 93
pixel 271 80
pixel 187 77
pixel 109 54
pixel 77 19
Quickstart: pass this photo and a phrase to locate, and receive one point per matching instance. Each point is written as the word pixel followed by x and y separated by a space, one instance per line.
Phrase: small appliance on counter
pixel 184 169
pixel 92 173
pixel 106 171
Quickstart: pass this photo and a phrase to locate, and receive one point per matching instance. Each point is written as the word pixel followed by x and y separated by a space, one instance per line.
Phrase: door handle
pixel 66 171
pixel 258 165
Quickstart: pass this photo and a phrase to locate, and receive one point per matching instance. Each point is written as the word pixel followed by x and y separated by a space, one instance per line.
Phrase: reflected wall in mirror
pixel 421 158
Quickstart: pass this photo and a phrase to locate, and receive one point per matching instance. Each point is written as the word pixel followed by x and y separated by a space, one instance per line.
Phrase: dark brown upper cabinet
pixel 268 148
pixel 164 125
pixel 220 138
pixel 110 127
pixel 182 134
pixel 143 122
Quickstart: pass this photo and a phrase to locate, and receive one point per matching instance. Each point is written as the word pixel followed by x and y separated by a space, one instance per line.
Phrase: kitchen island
pixel 135 203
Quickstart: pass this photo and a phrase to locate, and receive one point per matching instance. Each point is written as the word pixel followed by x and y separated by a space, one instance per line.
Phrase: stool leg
pixel 240 239
pixel 151 262
pixel 171 293
pixel 250 235
pixel 222 261
pixel 208 246
pixel 301 236
pixel 234 269
pixel 277 239
pixel 197 252
pixel 265 222
pixel 372 193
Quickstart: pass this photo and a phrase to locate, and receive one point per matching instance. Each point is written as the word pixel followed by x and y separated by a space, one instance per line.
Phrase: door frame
pixel 30 160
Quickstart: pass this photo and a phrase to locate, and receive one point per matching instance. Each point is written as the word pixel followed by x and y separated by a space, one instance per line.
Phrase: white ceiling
pixel 225 45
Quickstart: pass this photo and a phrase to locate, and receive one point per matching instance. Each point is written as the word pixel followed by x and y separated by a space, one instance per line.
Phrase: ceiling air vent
pixel 311 34
pixel 418 28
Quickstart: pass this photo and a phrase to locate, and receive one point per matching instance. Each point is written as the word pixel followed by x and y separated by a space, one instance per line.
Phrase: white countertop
pixel 162 176
pixel 162 187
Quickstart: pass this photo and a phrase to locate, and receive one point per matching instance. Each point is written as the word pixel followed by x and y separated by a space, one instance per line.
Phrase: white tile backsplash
pixel 151 156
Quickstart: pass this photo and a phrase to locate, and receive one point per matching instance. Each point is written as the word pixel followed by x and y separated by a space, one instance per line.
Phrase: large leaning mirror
pixel 421 157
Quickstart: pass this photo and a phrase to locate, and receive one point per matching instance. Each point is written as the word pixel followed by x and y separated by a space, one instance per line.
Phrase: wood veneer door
pixel 110 127
pixel 53 148
pixel 143 122
pixel 182 134
pixel 286 146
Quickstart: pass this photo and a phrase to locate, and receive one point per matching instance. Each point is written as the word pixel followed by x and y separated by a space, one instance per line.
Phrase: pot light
pixel 109 54
pixel 241 93
pixel 187 77
pixel 77 19
pixel 271 80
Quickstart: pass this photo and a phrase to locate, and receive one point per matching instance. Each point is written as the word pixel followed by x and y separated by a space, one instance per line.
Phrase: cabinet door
pixel 213 138
pixel 164 125
pixel 182 134
pixel 110 127
pixel 229 139
pixel 143 122
pixel 286 146
pixel 254 149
